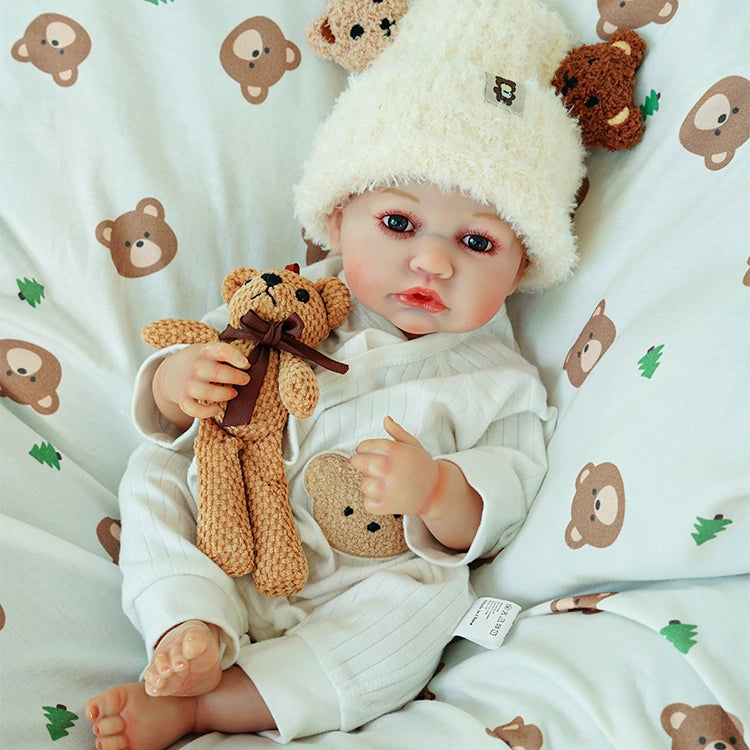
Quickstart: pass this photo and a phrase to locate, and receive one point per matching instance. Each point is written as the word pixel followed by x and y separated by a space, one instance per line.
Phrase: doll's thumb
pixel 398 433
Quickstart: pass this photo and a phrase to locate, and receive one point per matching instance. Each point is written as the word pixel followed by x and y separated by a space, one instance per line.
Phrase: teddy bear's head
pixel 597 82
pixel 276 294
pixel 353 32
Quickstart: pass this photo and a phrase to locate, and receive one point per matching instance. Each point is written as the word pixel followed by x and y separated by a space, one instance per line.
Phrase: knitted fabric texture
pixel 354 32
pixel 335 487
pixel 245 522
pixel 433 106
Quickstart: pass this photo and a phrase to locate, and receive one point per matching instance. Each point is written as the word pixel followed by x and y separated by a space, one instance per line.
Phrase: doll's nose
pixel 433 257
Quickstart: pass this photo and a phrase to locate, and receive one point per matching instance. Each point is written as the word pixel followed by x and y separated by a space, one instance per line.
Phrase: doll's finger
pixel 398 433
pixel 379 446
pixel 208 393
pixel 369 463
pixel 212 371
pixel 220 351
pixel 193 408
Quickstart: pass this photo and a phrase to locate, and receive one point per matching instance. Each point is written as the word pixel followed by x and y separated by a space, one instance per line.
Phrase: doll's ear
pixel 336 298
pixel 234 280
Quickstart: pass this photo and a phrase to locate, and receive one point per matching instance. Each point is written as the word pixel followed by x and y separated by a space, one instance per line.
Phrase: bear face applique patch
pixel 337 506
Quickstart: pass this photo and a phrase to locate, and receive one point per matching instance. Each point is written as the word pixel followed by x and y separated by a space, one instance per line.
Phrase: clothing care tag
pixel 488 621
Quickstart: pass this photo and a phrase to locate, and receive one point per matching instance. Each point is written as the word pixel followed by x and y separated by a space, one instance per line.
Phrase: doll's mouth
pixel 424 299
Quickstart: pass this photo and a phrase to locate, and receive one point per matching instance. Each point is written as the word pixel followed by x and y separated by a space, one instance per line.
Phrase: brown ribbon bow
pixel 283 336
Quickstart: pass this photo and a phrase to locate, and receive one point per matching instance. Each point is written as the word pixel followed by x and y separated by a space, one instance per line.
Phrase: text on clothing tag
pixel 488 621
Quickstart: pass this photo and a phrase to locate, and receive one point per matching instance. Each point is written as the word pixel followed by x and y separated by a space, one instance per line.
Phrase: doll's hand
pixel 191 382
pixel 399 475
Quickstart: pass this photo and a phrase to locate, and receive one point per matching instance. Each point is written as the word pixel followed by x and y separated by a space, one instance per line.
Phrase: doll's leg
pixel 126 717
pixel 186 661
pixel 363 653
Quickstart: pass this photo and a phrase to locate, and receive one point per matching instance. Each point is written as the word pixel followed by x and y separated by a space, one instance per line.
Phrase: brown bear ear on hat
pixel 234 280
pixel 354 32
pixel 596 82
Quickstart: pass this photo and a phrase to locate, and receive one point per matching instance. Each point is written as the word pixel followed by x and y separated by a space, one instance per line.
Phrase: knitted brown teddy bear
pixel 276 317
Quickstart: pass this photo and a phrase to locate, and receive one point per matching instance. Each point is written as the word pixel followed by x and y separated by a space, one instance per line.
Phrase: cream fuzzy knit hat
pixel 432 107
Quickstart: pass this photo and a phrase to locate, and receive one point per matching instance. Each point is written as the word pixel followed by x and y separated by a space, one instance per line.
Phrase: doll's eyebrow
pixel 402 194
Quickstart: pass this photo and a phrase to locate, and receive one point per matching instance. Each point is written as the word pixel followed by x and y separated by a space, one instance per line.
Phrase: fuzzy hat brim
pixel 421 112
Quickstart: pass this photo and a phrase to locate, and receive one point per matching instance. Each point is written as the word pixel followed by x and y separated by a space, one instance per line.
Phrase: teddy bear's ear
pixel 336 298
pixel 234 280
pixel 631 44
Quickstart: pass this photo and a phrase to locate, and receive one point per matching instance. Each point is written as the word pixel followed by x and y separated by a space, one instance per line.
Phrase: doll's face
pixel 426 260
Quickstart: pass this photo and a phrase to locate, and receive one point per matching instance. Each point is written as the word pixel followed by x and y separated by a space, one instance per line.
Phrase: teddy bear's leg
pixel 224 532
pixel 280 563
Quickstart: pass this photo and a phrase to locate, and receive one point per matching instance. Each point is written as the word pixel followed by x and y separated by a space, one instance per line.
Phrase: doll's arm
pixel 191 382
pixel 401 477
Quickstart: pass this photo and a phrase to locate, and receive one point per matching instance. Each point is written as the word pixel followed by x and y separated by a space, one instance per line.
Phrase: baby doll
pixel 446 201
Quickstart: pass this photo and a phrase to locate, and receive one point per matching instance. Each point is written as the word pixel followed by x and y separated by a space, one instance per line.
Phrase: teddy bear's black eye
pixel 397 515
pixel 356 32
pixel 348 510
pixel 302 295
pixel 592 101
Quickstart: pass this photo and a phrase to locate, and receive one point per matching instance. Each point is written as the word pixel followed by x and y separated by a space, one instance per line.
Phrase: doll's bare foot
pixel 186 661
pixel 126 718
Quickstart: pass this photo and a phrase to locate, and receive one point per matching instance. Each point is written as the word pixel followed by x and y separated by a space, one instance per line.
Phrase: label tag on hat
pixel 503 92
pixel 488 621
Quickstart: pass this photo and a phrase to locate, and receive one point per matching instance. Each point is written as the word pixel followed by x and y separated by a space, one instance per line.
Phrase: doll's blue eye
pixel 477 243
pixel 397 223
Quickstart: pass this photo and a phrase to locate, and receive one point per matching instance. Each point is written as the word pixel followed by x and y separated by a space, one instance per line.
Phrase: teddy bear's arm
pixel 298 386
pixel 162 333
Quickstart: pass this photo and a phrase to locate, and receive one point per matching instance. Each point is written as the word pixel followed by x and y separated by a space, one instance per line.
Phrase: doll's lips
pixel 425 299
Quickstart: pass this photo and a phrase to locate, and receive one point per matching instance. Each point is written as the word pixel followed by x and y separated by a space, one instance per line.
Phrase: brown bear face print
pixel 598 508
pixel 518 735
pixel 140 241
pixel 719 123
pixel 29 375
pixel 256 55
pixel 586 603
pixel 56 45
pixel 632 14
pixel 708 727
pixel 596 337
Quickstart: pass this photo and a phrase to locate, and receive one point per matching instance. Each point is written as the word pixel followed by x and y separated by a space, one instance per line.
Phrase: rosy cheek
pixel 358 276
pixel 485 306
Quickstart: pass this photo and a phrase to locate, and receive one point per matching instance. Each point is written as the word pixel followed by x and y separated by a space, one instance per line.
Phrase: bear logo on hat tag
pixel 504 92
